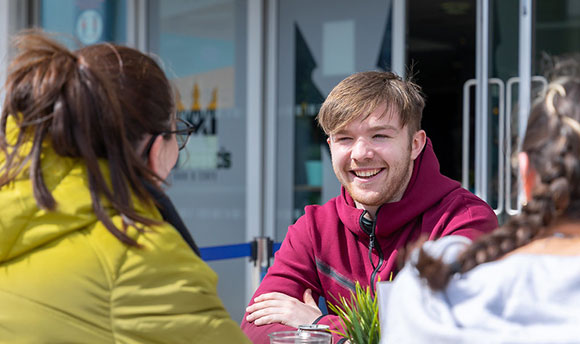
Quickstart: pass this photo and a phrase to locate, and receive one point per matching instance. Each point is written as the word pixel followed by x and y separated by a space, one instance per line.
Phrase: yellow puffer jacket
pixel 65 279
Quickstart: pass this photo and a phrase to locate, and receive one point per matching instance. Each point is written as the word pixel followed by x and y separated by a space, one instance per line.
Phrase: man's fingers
pixel 271 296
pixel 281 308
pixel 267 316
pixel 264 304
pixel 260 313
pixel 268 319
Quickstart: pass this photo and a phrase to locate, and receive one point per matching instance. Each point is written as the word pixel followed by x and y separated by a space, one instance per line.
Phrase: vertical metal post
pixel 138 24
pixel 271 120
pixel 525 74
pixel 399 31
pixel 465 182
pixel 481 99
pixel 525 65
pixel 501 146
pixel 254 126
pixel 14 16
pixel 263 254
pixel 4 42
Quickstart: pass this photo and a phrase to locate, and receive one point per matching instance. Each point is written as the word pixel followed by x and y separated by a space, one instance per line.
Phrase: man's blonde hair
pixel 357 96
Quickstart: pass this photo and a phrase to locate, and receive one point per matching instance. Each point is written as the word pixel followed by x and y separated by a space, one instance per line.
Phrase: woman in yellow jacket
pixel 86 140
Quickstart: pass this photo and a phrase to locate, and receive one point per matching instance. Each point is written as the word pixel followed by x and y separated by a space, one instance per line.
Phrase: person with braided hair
pixel 91 248
pixel 519 283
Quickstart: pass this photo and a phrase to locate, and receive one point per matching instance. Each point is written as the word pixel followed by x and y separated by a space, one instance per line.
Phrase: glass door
pixel 481 63
pixel 553 31
pixel 516 43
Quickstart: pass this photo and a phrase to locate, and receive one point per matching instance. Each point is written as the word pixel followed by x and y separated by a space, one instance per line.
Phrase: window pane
pixel 85 22
pixel 202 45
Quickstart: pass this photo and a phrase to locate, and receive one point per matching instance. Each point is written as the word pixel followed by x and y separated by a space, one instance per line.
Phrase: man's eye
pixel 380 136
pixel 342 139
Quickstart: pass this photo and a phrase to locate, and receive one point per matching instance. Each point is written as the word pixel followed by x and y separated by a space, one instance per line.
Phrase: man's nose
pixel 362 150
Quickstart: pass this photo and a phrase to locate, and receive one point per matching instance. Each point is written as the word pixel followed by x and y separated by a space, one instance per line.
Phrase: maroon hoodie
pixel 327 249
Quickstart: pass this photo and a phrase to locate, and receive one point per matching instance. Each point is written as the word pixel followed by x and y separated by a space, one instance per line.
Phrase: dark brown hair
pixel 552 143
pixel 95 103
pixel 360 94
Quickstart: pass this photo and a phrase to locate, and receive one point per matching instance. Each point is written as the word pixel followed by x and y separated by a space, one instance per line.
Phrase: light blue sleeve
pixel 409 311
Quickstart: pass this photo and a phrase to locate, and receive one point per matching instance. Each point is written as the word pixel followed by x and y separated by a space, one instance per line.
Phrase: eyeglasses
pixel 183 131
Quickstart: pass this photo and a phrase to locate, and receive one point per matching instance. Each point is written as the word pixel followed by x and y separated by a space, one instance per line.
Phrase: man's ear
pixel 417 143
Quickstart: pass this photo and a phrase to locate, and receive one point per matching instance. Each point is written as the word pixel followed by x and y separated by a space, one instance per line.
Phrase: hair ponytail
pixel 81 103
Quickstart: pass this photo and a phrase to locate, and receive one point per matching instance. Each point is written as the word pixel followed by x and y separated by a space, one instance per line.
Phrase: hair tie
pixel 552 90
pixel 557 88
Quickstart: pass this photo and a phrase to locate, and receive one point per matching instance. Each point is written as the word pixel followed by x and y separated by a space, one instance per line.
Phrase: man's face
pixel 373 158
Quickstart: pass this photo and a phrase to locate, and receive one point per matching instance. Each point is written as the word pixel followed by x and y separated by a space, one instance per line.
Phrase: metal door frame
pixel 482 80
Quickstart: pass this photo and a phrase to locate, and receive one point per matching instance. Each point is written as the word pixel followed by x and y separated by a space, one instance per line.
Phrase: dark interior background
pixel 441 49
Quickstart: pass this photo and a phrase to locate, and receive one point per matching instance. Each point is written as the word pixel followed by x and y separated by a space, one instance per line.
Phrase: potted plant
pixel 359 316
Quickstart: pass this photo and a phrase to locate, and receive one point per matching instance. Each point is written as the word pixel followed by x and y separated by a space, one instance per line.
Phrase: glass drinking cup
pixel 300 337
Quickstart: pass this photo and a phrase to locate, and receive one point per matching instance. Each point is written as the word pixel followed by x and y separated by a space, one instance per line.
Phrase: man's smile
pixel 367 173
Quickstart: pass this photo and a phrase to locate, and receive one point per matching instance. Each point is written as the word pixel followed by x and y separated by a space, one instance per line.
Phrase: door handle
pixel 501 144
pixel 510 208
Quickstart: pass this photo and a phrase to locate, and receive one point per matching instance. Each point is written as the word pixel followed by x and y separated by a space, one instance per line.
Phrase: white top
pixel 524 298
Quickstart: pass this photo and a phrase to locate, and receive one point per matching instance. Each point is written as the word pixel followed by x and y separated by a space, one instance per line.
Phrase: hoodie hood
pixel 25 227
pixel 426 187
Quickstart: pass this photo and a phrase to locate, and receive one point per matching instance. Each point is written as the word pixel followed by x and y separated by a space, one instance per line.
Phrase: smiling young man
pixel 392 193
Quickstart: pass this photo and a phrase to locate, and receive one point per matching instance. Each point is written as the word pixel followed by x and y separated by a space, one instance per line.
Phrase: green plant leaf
pixel 359 316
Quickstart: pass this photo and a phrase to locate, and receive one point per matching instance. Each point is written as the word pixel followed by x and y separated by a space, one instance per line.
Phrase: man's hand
pixel 280 308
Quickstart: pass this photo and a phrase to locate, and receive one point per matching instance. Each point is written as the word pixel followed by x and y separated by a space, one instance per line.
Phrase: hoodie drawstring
pixel 364 224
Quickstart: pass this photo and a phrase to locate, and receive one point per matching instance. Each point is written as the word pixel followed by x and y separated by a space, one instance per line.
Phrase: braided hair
pixel 552 143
